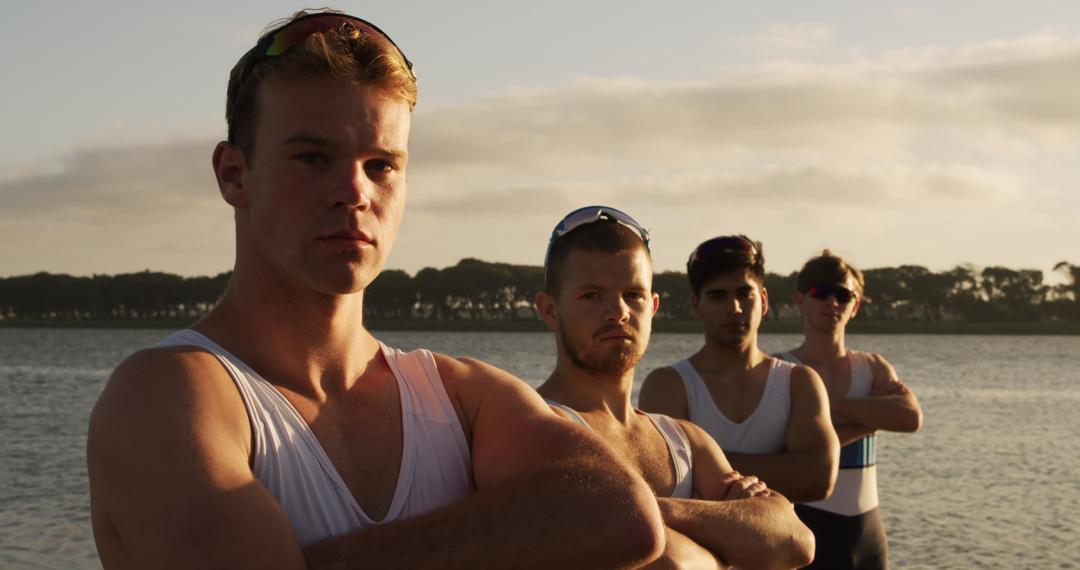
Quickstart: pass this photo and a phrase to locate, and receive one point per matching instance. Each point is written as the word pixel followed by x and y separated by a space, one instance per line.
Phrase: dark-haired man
pixel 770 417
pixel 277 432
pixel 865 396
pixel 598 300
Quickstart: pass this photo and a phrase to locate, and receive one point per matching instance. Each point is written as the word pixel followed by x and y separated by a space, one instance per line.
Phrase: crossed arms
pixel 891 406
pixel 171 487
pixel 806 470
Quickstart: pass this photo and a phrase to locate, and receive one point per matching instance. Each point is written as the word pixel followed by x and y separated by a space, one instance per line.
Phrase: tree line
pixel 475 289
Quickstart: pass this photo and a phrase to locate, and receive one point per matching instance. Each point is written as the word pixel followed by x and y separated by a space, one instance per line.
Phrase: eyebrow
pixel 305 138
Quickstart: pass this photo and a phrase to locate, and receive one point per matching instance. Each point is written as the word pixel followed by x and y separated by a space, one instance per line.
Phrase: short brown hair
pixel 724 254
pixel 349 54
pixel 605 235
pixel 828 268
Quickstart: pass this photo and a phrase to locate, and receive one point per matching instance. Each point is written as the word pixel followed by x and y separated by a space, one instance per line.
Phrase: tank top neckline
pixel 773 365
pixel 400 490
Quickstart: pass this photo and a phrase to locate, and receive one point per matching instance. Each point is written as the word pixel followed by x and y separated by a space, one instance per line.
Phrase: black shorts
pixel 846 543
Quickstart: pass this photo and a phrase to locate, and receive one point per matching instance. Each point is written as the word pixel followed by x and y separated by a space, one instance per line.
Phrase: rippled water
pixel 990 482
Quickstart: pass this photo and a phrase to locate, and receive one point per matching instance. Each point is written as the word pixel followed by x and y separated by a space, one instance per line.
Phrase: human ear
pixel 545 305
pixel 229 166
pixel 764 301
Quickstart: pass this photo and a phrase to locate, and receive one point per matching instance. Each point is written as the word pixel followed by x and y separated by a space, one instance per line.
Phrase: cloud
pixel 978 138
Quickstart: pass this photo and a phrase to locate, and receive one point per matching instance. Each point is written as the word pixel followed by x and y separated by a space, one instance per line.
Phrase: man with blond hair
pixel 278 432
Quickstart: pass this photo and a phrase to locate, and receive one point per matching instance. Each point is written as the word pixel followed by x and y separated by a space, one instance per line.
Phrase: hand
pixel 742 486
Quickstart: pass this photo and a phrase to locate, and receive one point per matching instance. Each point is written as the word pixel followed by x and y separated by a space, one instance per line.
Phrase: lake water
pixel 991 481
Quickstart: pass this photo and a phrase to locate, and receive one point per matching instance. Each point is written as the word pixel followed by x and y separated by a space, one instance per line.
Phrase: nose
pixel 353 189
pixel 618 310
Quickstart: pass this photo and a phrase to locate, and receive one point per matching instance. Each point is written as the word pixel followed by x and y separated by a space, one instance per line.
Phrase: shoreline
pixel 791 326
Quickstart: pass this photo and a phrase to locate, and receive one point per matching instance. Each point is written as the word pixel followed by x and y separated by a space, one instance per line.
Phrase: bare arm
pixel 806 471
pixel 850 433
pixel 682 552
pixel 891 406
pixel 170 485
pixel 761 531
pixel 549 494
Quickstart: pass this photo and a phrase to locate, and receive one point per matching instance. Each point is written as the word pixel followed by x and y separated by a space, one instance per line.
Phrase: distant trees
pixel 479 290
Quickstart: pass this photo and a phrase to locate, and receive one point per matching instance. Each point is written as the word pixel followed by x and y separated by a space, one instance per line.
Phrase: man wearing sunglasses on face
pixel 598 300
pixel 770 417
pixel 277 432
pixel 865 395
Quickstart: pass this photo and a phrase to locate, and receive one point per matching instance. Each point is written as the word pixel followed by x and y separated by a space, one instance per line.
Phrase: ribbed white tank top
pixel 762 432
pixel 436 466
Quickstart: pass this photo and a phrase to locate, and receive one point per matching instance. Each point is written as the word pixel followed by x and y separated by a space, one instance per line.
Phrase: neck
pixel 587 391
pixel 822 344
pixel 716 356
pixel 310 342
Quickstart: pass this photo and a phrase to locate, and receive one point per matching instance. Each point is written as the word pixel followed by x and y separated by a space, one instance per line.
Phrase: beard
pixel 613 360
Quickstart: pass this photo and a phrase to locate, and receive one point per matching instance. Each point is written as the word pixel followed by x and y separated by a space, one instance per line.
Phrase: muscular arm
pixel 806 471
pixel 891 406
pixel 170 485
pixel 757 532
pixel 549 495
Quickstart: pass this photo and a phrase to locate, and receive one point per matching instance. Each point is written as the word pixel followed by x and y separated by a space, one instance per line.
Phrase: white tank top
pixel 763 432
pixel 436 466
pixel 682 457
pixel 856 482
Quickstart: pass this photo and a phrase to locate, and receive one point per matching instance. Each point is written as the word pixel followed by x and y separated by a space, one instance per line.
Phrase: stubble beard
pixel 615 361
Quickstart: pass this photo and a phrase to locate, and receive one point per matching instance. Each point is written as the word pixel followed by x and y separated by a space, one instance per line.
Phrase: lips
pixel 349 235
pixel 615 334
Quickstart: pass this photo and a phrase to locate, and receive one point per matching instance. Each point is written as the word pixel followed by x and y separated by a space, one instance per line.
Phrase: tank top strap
pixel 779 380
pixel 862 376
pixel 571 412
pixel 696 390
pixel 682 456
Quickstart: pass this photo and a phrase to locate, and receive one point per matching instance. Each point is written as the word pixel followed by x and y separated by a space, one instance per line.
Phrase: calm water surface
pixel 991 481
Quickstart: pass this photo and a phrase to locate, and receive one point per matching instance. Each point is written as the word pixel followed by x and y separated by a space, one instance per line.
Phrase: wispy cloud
pixel 949 146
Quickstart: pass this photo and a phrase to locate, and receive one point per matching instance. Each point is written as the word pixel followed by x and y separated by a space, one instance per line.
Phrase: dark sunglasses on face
pixel 822 292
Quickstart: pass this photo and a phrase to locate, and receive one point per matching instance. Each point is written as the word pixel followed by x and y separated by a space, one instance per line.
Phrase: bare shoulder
pixel 663 392
pixel 155 384
pixel 474 384
pixel 806 384
pixel 879 365
pixel 699 438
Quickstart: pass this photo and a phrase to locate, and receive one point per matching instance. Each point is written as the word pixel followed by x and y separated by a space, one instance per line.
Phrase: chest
pixel 646 451
pixel 738 397
pixel 362 435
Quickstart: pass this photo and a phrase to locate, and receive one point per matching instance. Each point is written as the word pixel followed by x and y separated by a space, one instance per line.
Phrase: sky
pixel 928 133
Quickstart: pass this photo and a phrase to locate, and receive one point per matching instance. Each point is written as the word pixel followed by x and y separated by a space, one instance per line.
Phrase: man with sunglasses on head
pixel 770 417
pixel 865 395
pixel 277 432
pixel 599 302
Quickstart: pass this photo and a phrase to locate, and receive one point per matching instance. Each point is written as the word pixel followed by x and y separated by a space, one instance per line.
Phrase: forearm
pixel 890 413
pixel 759 532
pixel 559 517
pixel 850 433
pixel 682 552
pixel 801 476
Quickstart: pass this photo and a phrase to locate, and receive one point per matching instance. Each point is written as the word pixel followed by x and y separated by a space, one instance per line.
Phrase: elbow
pixel 800 548
pixel 639 533
pixel 915 420
pixel 820 486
